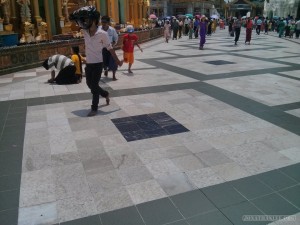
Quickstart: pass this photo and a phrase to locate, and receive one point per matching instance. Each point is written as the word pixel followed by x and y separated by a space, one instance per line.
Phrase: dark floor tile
pixel 91 220
pixel 142 118
pixel 292 171
pixel 176 129
pixel 10 182
pixel 159 212
pixel 292 194
pixel 15 121
pixel 276 180
pixel 52 99
pixel 156 133
pixel 237 214
pixel 11 145
pixel 123 216
pixel 35 101
pixel 223 195
pixel 68 98
pixel 180 222
pixel 18 103
pixel 10 162
pixel 84 96
pixel 9 199
pixel 149 125
pixel 274 204
pixel 9 217
pixel 12 129
pixel 128 127
pixel 13 111
pixel 134 135
pixel 192 203
pixel 211 218
pixel 10 142
pixel 250 187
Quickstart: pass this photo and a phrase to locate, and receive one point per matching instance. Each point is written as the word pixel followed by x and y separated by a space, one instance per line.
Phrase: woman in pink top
pixel 167 30
pixel 249 26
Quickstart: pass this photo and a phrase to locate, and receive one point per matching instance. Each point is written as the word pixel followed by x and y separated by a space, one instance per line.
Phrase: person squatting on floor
pixel 129 40
pixel 95 40
pixel 237 29
pixel 108 60
pixel 66 67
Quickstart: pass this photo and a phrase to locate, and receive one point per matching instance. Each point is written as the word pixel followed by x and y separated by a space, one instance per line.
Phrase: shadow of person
pixel 84 112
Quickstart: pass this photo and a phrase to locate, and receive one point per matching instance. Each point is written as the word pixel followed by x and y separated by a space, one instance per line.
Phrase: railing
pixel 18 58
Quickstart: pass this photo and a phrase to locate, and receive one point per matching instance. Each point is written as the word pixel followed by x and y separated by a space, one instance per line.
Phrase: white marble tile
pixel 165 166
pixel 175 183
pixel 77 207
pixel 145 191
pixel 112 200
pixel 44 214
pixel 292 153
pixel 70 181
pixel 204 177
pixel 37 187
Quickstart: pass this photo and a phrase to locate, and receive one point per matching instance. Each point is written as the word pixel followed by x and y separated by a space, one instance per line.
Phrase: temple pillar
pixel 13 17
pixel 135 13
pixel 140 19
pixel 48 20
pixel 36 11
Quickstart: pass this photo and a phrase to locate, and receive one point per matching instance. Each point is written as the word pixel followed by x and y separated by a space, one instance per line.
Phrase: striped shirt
pixel 59 62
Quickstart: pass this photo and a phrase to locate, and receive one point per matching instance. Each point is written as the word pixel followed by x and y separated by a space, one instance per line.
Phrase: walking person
pixel 258 26
pixel 266 23
pixel 249 25
pixel 108 61
pixel 281 27
pixel 175 28
pixel 180 28
pixel 167 31
pixel 297 28
pixel 237 29
pixel 95 40
pixel 202 31
pixel 129 40
pixel 191 29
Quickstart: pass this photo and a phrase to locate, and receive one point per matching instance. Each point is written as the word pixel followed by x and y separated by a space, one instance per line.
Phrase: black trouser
pixel 66 76
pixel 93 74
pixel 258 29
pixel 297 33
pixel 237 34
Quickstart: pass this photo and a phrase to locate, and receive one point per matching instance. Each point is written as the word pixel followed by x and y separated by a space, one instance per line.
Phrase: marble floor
pixel 191 137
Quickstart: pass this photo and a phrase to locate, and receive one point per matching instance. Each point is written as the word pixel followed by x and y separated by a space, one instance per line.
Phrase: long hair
pixel 76 51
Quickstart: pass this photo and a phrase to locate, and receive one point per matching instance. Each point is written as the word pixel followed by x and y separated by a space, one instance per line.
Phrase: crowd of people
pixel 100 41
pixel 202 26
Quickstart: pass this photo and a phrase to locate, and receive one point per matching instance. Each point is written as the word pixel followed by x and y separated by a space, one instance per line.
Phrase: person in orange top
pixel 129 40
pixel 249 25
pixel 77 59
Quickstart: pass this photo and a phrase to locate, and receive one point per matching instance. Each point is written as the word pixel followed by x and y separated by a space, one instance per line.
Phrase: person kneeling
pixel 66 69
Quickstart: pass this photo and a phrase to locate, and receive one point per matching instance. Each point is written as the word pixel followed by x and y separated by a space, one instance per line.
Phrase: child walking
pixel 129 40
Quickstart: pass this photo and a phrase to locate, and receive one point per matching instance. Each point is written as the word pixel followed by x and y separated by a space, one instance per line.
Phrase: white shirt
pixel 112 34
pixel 94 45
